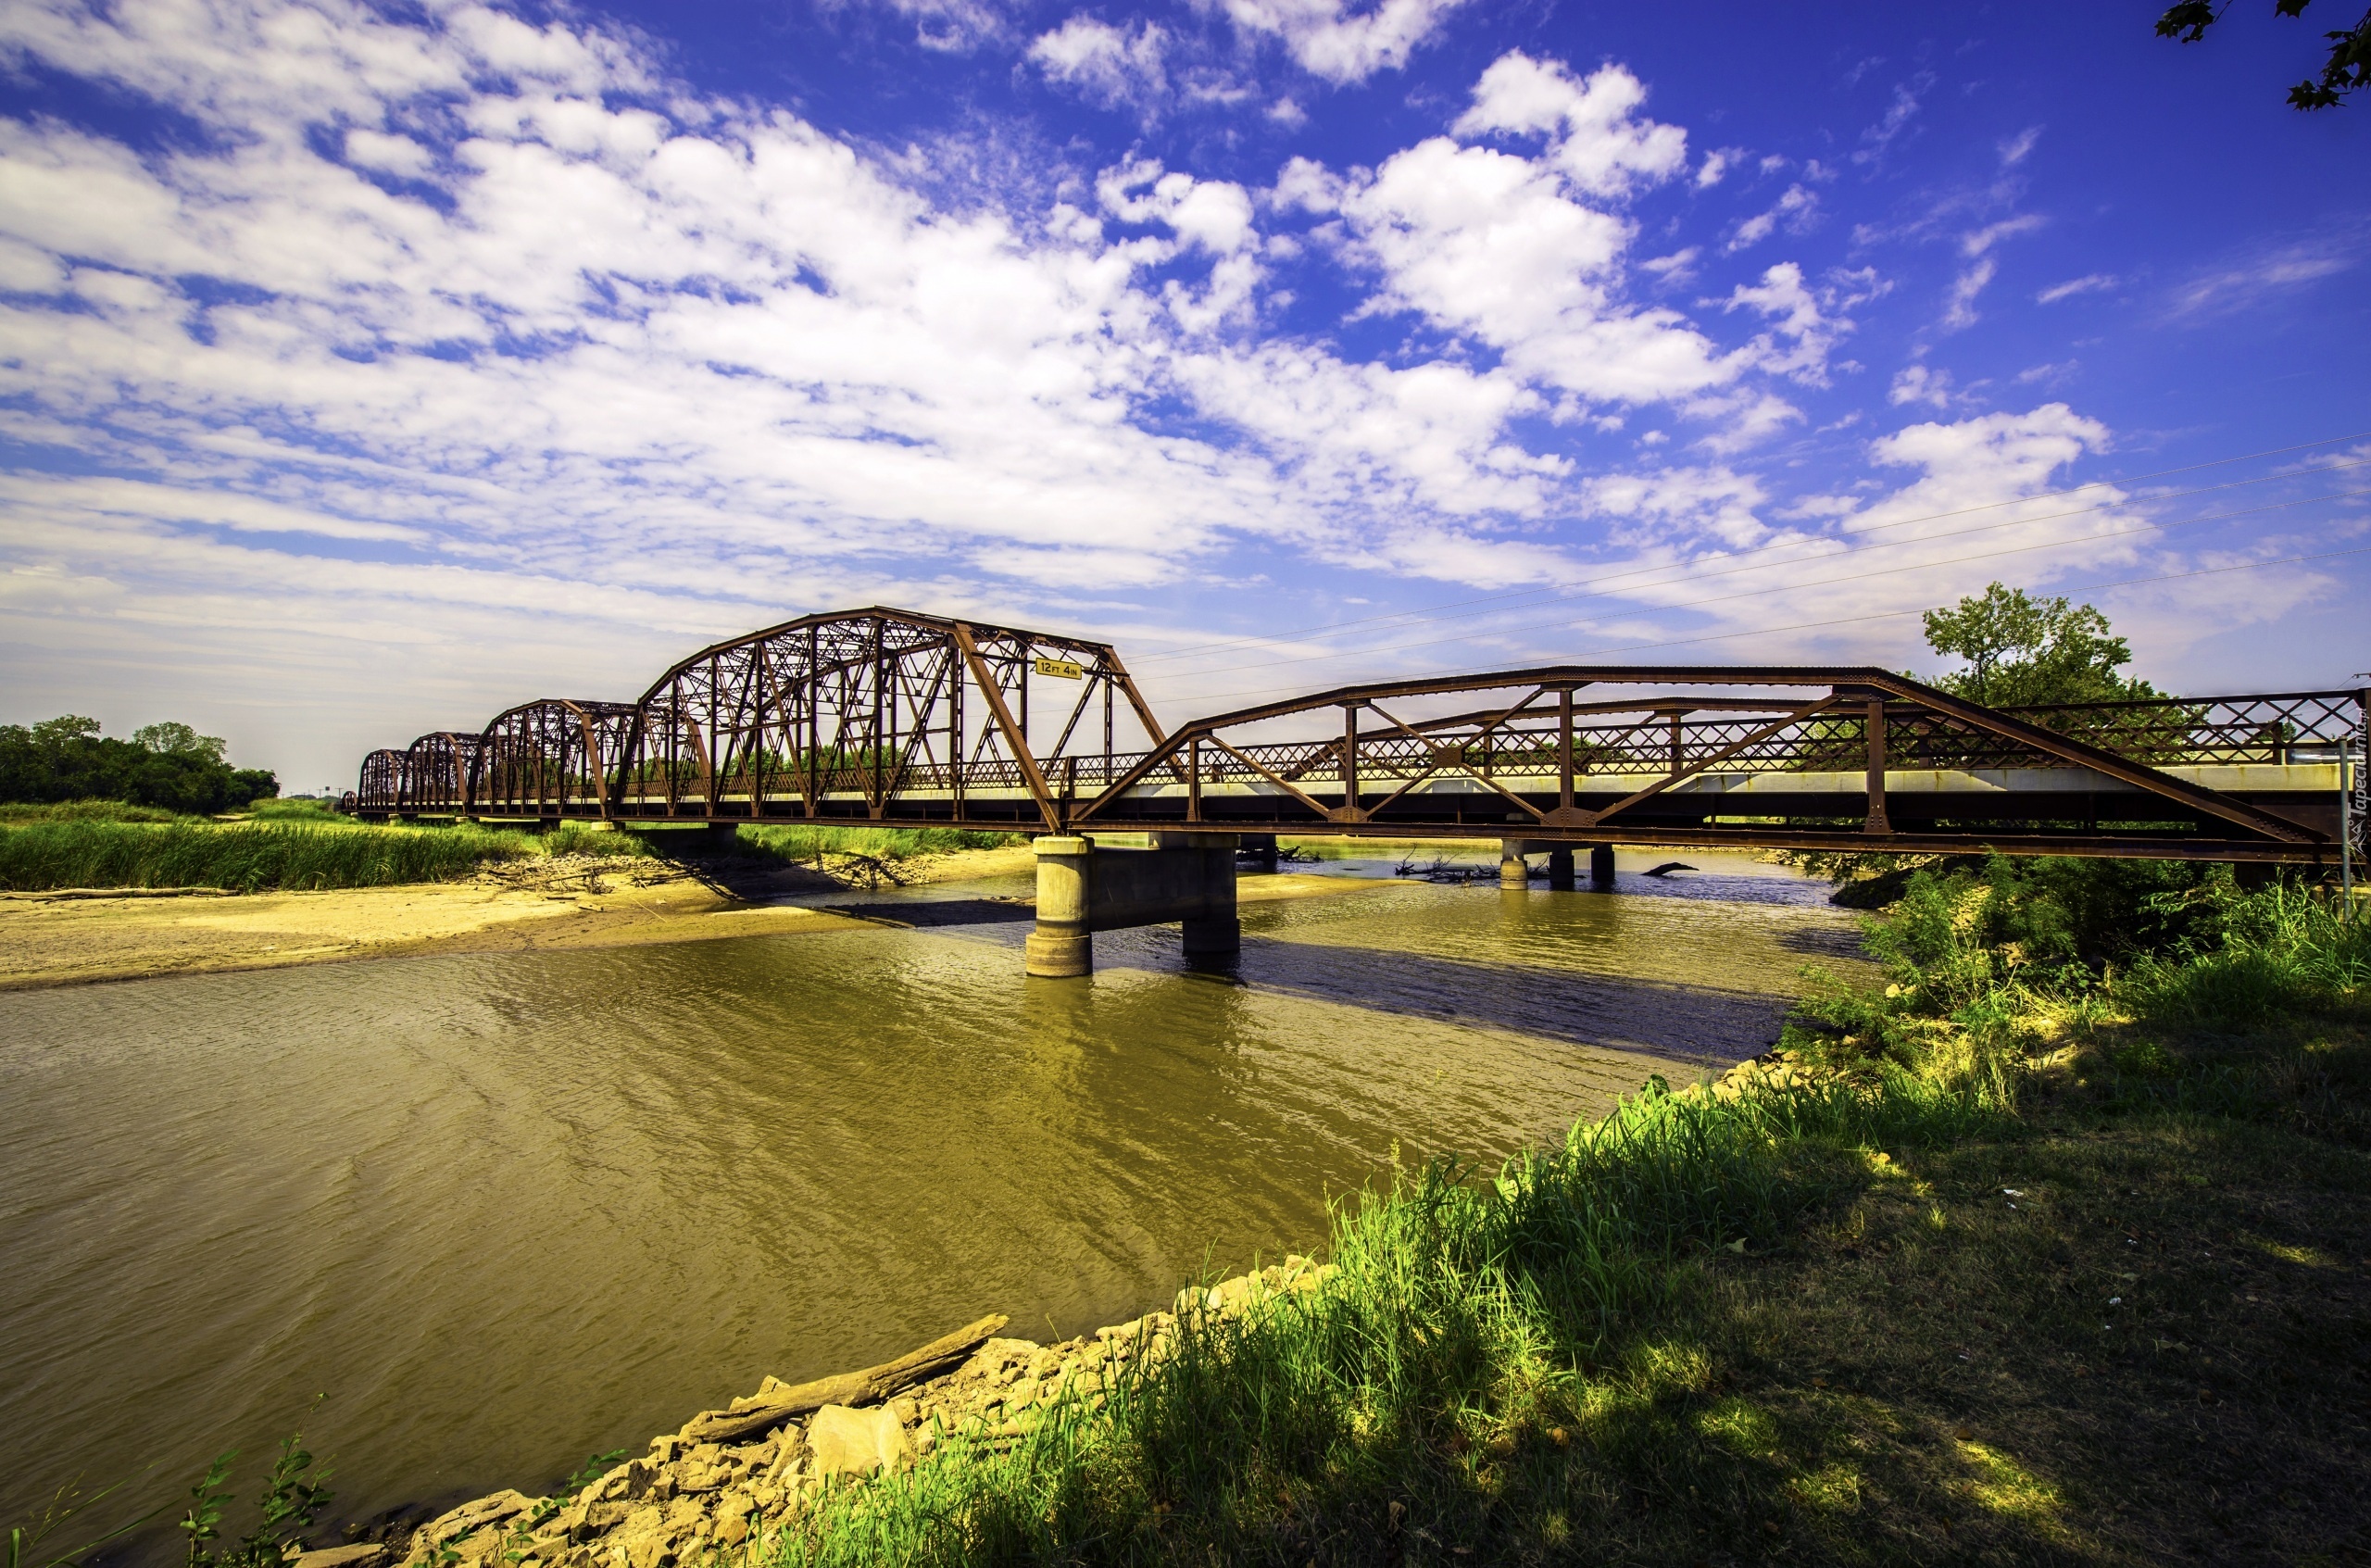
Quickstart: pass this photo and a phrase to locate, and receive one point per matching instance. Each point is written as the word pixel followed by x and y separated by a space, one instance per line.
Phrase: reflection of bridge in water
pixel 892 719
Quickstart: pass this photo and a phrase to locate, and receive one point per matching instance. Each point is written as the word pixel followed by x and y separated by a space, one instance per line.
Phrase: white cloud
pixel 1661 512
pixel 1594 136
pixel 1104 64
pixel 1746 420
pixel 1959 306
pixel 1801 336
pixel 390 154
pixel 1677 268
pixel 2270 270
pixel 1977 242
pixel 1526 254
pixel 1798 208
pixel 2094 282
pixel 1879 138
pixel 1918 383
pixel 1716 164
pixel 1212 214
pixel 952 27
pixel 1334 40
pixel 1484 242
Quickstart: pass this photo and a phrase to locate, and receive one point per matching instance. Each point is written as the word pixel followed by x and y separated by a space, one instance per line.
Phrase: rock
pixel 461 1522
pixel 692 1476
pixel 1234 1295
pixel 1003 1358
pixel 362 1554
pixel 641 1542
pixel 854 1442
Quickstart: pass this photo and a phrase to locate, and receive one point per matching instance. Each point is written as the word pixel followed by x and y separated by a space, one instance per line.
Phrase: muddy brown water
pixel 503 1210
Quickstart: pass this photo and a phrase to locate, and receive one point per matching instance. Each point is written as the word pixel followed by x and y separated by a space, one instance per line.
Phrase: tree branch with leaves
pixel 2347 71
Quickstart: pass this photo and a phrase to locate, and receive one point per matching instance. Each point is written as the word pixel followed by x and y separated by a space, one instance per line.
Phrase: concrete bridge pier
pixel 1083 889
pixel 1514 873
pixel 1262 848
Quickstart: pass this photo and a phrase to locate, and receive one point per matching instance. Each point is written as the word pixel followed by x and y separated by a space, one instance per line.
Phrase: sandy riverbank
pixel 568 901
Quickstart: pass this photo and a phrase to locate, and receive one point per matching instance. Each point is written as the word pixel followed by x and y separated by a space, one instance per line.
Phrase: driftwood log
pixel 765 1412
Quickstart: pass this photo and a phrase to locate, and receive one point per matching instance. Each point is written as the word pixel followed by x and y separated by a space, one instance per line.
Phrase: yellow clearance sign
pixel 1060 669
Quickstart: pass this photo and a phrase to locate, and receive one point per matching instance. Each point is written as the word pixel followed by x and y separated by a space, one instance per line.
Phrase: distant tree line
pixel 168 765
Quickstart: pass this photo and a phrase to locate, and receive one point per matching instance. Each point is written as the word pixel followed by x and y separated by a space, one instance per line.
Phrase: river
pixel 502 1211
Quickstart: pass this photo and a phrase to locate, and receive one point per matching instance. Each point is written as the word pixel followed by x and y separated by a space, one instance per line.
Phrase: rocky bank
pixel 727 1481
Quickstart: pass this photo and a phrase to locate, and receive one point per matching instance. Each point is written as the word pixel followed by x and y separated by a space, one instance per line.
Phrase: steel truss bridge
pixel 890 718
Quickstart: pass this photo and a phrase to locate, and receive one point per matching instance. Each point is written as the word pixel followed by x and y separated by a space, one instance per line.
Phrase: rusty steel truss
pixel 1761 758
pixel 899 719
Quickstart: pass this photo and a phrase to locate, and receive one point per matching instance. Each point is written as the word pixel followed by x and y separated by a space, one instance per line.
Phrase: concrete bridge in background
pixel 889 718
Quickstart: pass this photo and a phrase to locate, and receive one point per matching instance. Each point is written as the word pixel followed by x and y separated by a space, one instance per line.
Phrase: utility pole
pixel 2346 765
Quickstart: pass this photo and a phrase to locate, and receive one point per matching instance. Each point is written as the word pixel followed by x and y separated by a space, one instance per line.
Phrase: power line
pixel 1427 613
pixel 1823 581
pixel 1856 620
pixel 1890 543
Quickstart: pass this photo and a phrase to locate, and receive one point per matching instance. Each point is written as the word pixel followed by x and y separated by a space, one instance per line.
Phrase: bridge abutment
pixel 1083 889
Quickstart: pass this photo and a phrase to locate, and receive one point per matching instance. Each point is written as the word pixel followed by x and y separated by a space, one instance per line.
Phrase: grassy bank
pixel 2021 1262
pixel 20 813
pixel 800 844
pixel 250 858
pixel 292 845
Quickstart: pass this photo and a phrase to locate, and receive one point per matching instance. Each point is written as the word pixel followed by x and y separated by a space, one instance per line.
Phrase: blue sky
pixel 365 369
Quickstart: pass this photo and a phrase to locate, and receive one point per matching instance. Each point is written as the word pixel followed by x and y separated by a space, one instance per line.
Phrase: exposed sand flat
pixel 78 937
pixel 65 942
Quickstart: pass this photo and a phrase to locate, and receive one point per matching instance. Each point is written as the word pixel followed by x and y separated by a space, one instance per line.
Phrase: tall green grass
pixel 2282 950
pixel 293 809
pixel 15 812
pixel 249 857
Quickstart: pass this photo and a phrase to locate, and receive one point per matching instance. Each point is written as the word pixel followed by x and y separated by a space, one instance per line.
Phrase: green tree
pixel 2021 649
pixel 2347 69
pixel 172 738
